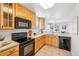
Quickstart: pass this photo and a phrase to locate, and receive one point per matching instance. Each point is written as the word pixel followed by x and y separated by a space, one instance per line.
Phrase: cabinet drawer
pixel 10 52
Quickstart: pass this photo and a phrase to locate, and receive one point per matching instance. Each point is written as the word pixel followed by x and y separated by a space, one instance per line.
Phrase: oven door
pixel 27 49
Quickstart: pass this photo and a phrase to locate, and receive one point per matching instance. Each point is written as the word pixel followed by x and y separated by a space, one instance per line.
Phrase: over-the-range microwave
pixel 21 23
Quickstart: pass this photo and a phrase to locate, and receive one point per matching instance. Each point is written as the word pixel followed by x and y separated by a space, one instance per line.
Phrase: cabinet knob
pixel 2 26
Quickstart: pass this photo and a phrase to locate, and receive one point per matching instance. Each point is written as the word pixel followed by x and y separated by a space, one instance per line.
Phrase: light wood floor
pixel 52 51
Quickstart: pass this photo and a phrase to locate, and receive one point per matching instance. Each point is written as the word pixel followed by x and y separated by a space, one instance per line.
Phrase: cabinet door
pixel 7 16
pixel 31 16
pixel 48 40
pixel 27 13
pixel 37 44
pixel 14 51
pixel 55 41
pixel 18 10
pixel 33 20
pixel 42 22
pixel 42 40
pixel 0 16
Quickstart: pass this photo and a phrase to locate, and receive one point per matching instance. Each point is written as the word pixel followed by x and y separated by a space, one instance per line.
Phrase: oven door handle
pixel 27 44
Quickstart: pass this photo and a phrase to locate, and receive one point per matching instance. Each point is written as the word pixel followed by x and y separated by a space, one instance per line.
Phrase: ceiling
pixel 61 10
pixel 58 11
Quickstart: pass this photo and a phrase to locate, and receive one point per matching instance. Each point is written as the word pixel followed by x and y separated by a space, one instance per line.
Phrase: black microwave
pixel 21 23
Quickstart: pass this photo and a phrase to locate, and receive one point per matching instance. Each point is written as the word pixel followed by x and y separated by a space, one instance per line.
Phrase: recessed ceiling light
pixel 47 5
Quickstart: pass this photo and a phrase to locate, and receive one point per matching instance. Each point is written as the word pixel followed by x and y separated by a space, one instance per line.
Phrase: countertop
pixel 41 34
pixel 38 35
pixel 12 44
pixel 60 34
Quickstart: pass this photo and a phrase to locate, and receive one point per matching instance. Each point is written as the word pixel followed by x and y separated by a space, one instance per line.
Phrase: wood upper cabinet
pixel 33 19
pixel 0 17
pixel 20 11
pixel 42 22
pixel 14 51
pixel 25 13
pixel 31 16
pixel 7 15
pixel 8 11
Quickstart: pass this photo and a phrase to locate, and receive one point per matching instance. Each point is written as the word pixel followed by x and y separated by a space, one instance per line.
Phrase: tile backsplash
pixel 7 33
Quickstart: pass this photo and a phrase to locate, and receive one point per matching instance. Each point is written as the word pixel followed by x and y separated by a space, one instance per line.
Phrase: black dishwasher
pixel 65 43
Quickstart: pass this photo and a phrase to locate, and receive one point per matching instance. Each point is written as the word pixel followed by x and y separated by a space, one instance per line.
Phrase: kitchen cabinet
pixel 8 11
pixel 25 13
pixel 39 42
pixel 20 11
pixel 33 19
pixel 7 15
pixel 47 40
pixel 42 22
pixel 52 40
pixel 14 51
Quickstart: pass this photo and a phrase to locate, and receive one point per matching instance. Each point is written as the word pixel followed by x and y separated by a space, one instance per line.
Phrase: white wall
pixel 75 38
pixel 75 45
pixel 40 12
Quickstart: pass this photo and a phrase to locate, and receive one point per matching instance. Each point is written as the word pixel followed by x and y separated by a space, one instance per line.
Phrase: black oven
pixel 26 45
pixel 21 23
pixel 27 49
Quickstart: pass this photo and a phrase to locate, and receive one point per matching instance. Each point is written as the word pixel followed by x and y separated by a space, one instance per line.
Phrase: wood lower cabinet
pixel 47 40
pixel 39 42
pixel 14 51
pixel 52 40
pixel 55 41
